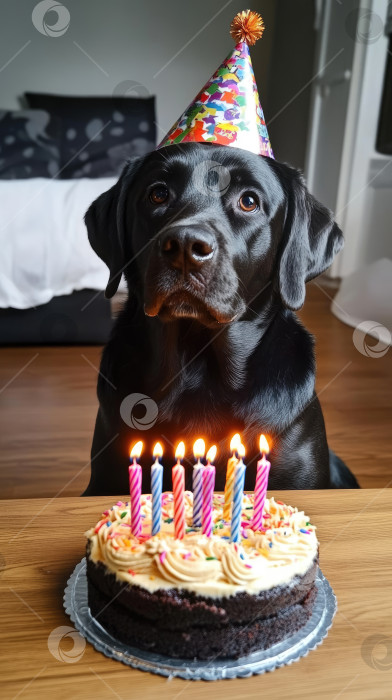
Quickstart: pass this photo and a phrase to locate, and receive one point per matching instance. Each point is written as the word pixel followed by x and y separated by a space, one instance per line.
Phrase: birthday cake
pixel 202 597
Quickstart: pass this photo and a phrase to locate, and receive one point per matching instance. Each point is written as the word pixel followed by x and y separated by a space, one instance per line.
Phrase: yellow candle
pixel 229 485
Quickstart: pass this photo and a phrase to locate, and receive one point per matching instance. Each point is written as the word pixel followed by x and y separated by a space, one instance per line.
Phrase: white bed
pixel 44 249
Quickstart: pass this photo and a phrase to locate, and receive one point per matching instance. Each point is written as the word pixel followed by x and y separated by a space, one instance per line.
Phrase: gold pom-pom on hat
pixel 247 26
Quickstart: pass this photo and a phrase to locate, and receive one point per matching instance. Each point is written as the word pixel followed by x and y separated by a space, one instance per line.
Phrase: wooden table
pixel 42 540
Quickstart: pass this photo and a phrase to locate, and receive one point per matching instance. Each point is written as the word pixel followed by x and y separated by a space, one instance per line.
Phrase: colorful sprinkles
pixel 278 523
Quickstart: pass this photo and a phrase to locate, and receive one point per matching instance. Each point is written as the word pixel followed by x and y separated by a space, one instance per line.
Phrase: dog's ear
pixel 311 239
pixel 105 221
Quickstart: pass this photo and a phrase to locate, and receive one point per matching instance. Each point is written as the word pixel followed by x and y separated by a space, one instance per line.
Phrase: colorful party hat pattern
pixel 227 111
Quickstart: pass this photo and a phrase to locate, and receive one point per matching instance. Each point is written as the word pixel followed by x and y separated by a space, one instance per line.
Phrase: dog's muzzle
pixel 185 280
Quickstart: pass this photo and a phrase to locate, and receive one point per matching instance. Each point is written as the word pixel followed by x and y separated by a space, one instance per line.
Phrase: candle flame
pixel 241 451
pixel 158 450
pixel 235 442
pixel 136 450
pixel 264 446
pixel 211 454
pixel 199 448
pixel 180 450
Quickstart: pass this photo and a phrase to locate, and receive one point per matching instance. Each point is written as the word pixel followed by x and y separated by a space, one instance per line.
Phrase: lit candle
pixel 238 495
pixel 135 488
pixel 156 489
pixel 199 449
pixel 208 491
pixel 178 476
pixel 231 465
pixel 263 467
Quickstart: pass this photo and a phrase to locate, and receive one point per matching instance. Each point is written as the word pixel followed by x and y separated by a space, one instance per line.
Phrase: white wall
pixel 128 40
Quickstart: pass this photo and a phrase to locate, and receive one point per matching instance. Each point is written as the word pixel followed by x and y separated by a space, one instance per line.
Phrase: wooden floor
pixel 48 406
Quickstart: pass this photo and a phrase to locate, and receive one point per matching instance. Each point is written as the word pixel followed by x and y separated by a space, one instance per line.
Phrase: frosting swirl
pixel 285 547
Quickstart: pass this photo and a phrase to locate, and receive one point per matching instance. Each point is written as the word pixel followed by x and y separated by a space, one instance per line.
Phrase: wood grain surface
pixel 42 540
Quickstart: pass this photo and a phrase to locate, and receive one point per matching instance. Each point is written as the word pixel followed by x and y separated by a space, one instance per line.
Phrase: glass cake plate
pixel 281 654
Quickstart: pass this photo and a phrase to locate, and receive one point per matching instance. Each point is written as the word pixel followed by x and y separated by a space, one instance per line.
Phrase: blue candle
pixel 238 495
pixel 156 490
pixel 199 449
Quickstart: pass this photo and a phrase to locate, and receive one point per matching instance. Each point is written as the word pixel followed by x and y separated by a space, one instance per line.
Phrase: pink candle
pixel 199 449
pixel 135 489
pixel 263 467
pixel 178 477
pixel 208 491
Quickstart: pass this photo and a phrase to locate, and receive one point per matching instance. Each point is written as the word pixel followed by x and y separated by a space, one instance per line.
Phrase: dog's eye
pixel 159 194
pixel 248 202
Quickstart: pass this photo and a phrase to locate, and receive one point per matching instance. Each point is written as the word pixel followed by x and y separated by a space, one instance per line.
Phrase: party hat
pixel 227 110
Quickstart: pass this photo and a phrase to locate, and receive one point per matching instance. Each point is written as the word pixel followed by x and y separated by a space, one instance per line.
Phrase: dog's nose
pixel 184 248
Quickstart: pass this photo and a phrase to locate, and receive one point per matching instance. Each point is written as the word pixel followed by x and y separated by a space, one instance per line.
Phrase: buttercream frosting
pixel 209 566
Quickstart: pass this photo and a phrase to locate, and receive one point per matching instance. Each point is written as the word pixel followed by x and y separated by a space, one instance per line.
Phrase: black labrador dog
pixel 216 245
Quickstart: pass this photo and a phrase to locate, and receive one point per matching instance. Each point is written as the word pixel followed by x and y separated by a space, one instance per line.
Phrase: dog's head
pixel 200 231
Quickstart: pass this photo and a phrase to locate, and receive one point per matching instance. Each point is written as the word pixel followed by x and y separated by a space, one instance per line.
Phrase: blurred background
pixel 86 84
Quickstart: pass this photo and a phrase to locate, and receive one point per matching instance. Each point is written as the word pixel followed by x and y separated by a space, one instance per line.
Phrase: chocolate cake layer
pixel 181 609
pixel 230 640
